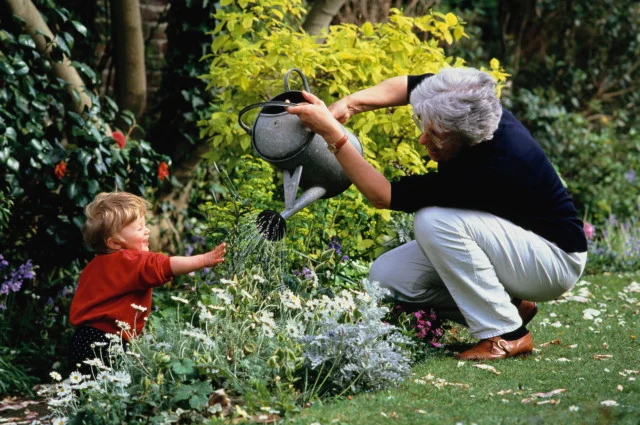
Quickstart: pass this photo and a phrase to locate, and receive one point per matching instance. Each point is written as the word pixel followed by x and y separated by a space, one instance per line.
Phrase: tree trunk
pixel 320 15
pixel 37 27
pixel 128 42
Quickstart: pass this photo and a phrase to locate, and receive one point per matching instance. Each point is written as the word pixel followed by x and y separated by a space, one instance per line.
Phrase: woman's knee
pixel 432 223
pixel 381 271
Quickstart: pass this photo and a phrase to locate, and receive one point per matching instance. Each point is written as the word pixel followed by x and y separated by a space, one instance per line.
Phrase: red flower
pixel 120 139
pixel 60 170
pixel 163 170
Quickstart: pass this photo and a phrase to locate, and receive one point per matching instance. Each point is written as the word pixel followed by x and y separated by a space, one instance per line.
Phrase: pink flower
pixel 589 230
pixel 163 170
pixel 120 139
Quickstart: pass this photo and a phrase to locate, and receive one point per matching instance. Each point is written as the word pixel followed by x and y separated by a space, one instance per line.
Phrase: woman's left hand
pixel 316 116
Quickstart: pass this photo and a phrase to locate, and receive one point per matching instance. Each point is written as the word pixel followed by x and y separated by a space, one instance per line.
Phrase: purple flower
pixel 334 244
pixel 14 280
pixel 630 176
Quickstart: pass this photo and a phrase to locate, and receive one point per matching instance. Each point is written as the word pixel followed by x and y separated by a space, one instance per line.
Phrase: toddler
pixel 115 288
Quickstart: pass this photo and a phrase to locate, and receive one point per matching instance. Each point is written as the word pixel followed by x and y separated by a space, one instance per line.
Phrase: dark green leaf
pixel 10 132
pixel 80 28
pixel 62 45
pixel 5 68
pixel 72 190
pixel 26 40
pixel 13 164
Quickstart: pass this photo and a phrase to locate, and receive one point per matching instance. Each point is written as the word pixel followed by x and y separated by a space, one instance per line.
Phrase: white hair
pixel 462 101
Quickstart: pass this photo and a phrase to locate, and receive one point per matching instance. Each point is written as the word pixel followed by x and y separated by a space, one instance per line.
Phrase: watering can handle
pixel 245 127
pixel 299 72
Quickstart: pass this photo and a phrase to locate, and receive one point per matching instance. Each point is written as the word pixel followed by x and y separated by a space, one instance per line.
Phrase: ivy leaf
pixel 80 28
pixel 26 40
pixel 6 68
pixel 62 45
pixel 72 190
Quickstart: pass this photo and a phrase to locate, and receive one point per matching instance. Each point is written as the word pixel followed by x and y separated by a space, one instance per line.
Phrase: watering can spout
pixel 271 224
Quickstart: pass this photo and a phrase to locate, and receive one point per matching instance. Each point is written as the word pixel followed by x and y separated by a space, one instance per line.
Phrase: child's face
pixel 135 235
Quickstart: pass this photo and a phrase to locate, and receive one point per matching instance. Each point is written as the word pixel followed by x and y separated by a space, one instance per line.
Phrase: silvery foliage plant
pixel 362 355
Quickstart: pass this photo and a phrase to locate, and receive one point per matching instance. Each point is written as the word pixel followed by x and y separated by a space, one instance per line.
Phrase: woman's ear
pixel 113 243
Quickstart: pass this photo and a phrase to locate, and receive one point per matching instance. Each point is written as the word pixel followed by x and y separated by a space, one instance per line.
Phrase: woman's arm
pixel 183 265
pixel 390 92
pixel 369 181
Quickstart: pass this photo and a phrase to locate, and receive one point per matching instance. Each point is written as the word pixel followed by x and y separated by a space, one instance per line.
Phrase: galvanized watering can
pixel 282 140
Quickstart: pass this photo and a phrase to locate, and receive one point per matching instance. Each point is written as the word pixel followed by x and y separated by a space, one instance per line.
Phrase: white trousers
pixel 467 265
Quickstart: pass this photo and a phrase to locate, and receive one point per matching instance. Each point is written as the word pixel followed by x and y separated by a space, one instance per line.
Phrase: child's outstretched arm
pixel 184 265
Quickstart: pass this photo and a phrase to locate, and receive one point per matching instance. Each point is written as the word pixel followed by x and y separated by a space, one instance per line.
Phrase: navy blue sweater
pixel 508 176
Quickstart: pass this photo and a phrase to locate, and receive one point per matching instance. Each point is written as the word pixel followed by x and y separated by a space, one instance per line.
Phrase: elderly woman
pixel 493 226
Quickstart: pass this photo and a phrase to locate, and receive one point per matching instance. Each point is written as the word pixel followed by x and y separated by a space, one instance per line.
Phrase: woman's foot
pixel 498 348
pixel 526 309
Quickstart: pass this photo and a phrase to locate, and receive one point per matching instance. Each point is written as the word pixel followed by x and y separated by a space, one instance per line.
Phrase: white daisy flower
pixel 182 300
pixel 123 325
pixel 139 307
pixel 56 376
pixel 75 377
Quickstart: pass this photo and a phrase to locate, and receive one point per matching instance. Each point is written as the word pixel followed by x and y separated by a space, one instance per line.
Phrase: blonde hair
pixel 108 214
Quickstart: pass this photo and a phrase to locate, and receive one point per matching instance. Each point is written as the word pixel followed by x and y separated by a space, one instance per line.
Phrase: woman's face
pixel 441 147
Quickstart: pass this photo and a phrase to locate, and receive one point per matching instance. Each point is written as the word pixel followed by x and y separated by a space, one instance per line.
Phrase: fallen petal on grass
pixel 602 356
pixel 609 403
pixel 552 342
pixel 550 393
pixel 552 401
pixel 487 367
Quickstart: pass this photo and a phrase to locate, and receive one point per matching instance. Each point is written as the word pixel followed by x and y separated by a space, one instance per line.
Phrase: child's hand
pixel 215 257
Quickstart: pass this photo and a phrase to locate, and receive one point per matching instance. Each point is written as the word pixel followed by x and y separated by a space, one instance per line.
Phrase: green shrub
pixel 54 160
pixel 598 160
pixel 257 41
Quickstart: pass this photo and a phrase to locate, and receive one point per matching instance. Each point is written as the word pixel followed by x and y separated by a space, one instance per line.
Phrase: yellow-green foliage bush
pixel 256 42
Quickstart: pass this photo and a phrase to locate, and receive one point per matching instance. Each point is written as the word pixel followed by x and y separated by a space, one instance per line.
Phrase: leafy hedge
pixel 54 160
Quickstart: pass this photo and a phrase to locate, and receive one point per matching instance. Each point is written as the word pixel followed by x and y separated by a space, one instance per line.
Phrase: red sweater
pixel 111 283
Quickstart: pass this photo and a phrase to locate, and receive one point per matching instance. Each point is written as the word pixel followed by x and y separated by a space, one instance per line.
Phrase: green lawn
pixel 585 370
